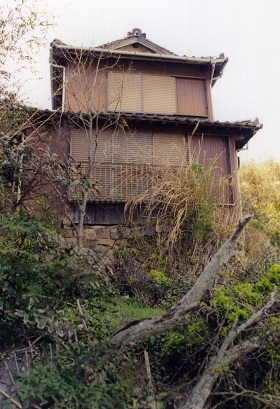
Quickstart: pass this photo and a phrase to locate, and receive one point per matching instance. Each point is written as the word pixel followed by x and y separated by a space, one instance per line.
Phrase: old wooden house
pixel 134 105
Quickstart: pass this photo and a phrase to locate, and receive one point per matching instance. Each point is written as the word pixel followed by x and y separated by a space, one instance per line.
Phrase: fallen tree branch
pixel 226 356
pixel 270 401
pixel 142 329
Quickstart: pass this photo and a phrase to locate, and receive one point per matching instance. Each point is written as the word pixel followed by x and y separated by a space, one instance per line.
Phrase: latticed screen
pixel 124 165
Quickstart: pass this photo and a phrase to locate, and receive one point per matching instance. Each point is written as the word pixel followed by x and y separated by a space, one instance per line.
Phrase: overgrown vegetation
pixel 187 204
pixel 189 221
pixel 56 308
pixel 260 184
pixel 71 337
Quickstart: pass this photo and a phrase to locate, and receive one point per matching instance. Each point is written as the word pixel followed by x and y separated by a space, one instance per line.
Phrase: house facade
pixel 130 106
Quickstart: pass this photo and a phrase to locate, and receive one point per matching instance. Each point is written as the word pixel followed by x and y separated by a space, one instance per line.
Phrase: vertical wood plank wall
pixel 192 97
pixel 216 151
pixel 235 173
pixel 86 89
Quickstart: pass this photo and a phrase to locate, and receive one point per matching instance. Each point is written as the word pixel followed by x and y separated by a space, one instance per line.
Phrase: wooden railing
pixel 118 182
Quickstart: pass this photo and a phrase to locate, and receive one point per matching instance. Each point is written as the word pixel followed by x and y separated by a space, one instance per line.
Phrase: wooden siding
pixel 87 89
pixel 163 68
pixel 235 173
pixel 209 99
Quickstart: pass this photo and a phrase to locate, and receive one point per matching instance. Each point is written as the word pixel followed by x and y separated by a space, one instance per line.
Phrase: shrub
pixel 59 388
pixel 37 270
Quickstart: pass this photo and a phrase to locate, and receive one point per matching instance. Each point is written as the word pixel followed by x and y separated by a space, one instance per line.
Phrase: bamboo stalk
pixel 16 403
pixel 150 379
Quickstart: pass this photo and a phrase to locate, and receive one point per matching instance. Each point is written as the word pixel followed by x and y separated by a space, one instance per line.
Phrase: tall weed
pixel 187 205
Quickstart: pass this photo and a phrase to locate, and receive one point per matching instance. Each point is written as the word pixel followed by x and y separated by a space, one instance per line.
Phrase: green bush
pixel 242 298
pixel 39 274
pixel 59 388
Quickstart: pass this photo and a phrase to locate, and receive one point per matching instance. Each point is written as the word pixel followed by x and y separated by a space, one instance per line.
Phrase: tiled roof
pixel 246 128
pixel 251 123
pixel 58 44
pixel 59 52
pixel 113 45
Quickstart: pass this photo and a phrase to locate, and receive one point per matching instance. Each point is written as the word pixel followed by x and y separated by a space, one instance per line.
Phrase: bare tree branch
pixel 269 400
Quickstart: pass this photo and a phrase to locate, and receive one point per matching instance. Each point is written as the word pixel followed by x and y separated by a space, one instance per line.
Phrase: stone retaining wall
pixel 107 240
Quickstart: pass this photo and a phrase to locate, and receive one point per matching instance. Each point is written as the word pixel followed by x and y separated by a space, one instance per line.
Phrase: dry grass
pixel 187 206
pixel 260 188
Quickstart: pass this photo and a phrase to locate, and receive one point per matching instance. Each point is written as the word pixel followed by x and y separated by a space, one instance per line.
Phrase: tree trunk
pixel 203 388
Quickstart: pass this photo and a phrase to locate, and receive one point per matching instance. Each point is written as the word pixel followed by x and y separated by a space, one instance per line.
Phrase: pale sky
pixel 246 31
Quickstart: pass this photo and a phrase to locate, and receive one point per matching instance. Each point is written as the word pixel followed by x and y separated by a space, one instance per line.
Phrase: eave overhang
pixel 59 52
pixel 243 131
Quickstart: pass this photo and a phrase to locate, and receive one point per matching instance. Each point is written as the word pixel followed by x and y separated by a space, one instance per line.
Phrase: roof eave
pixel 245 129
pixel 141 55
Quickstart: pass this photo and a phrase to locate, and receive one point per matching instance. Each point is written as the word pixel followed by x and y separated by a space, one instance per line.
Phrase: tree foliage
pixel 23 25
pixel 260 186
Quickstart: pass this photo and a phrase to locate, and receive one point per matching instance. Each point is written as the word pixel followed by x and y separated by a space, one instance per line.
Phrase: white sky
pixel 246 31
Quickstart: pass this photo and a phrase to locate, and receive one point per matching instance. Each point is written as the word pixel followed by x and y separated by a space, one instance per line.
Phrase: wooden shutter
pixel 136 148
pixel 141 93
pixel 192 97
pixel 159 94
pixel 169 149
pixel 100 146
pixel 141 150
pixel 123 162
pixel 124 92
pixel 79 143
